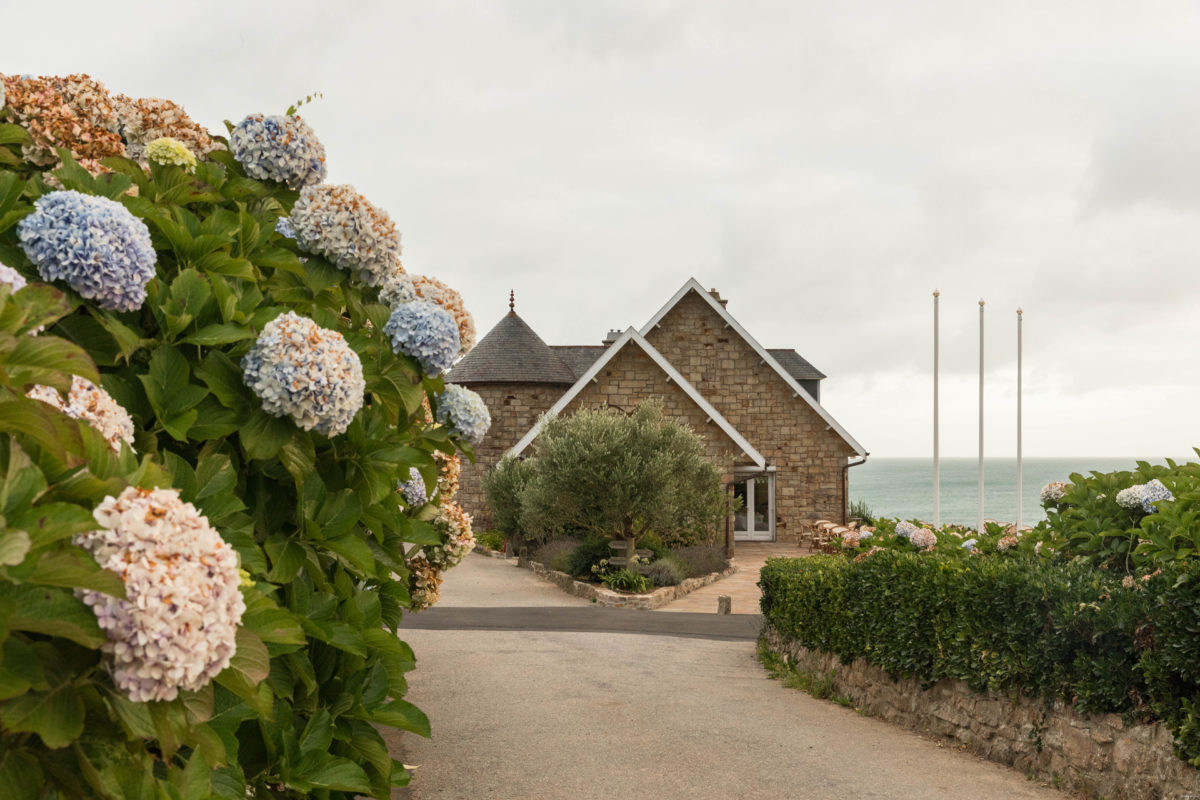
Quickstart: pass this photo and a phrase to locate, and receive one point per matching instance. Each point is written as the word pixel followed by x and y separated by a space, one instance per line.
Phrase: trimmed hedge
pixel 1019 625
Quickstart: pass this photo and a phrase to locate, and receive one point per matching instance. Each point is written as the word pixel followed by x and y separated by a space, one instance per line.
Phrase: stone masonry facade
pixel 515 408
pixel 808 457
pixel 632 377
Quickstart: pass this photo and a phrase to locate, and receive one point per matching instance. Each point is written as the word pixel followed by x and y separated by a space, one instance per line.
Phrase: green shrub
pixel 701 559
pixel 622 476
pixel 654 543
pixel 503 485
pixel 625 580
pixel 556 555
pixel 587 555
pixel 667 571
pixel 1058 631
pixel 492 540
pixel 1068 632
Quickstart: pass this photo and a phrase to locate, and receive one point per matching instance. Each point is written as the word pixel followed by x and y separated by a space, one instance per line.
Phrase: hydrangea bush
pixel 212 610
pixel 1131 520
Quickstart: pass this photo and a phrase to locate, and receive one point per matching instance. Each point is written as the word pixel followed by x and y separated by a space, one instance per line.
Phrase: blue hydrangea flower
pixel 93 244
pixel 1152 492
pixel 969 544
pixel 278 148
pixel 283 226
pixel 425 331
pixel 864 534
pixel 413 489
pixel 464 411
pixel 906 529
pixel 308 372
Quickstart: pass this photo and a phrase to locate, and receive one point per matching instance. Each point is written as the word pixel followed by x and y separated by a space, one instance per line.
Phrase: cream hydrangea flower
pixel 454 524
pixel 168 150
pixel 424 583
pixel 924 538
pixel 93 405
pixel 176 628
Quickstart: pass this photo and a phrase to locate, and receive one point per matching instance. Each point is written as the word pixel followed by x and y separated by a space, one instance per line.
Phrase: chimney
pixel 612 336
pixel 717 296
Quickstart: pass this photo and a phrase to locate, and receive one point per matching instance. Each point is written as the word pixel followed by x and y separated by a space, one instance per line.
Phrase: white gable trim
pixel 632 335
pixel 693 285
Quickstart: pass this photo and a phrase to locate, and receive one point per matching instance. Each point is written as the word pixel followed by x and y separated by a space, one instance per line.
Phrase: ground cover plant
pixel 1095 606
pixel 227 456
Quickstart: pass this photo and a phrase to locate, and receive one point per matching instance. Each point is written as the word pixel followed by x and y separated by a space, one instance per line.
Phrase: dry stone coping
pixel 607 597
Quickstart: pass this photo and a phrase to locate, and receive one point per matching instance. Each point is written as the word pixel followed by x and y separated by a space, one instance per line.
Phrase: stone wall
pixel 1096 755
pixel 631 377
pixel 606 597
pixel 514 407
pixel 757 401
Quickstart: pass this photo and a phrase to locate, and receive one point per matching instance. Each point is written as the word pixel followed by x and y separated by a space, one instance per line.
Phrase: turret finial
pixel 512 300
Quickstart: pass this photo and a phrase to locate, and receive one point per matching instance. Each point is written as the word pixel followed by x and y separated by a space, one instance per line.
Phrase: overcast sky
pixel 825 165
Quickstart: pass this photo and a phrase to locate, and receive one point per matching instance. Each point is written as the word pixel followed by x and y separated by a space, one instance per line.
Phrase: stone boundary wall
pixel 607 597
pixel 1096 755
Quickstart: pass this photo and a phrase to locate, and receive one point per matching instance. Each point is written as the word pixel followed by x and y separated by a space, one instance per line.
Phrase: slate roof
pixel 512 353
pixel 579 356
pixel 796 365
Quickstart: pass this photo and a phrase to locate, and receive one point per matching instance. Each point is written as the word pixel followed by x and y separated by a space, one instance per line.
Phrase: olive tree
pixel 620 476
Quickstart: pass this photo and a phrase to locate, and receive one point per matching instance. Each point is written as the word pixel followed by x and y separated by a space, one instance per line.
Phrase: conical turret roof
pixel 511 353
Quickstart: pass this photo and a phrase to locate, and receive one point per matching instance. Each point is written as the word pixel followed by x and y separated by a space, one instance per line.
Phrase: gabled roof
pixel 512 353
pixel 796 365
pixel 635 339
pixel 693 286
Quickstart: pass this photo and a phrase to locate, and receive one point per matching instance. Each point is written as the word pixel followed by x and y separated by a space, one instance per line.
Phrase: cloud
pixel 825 166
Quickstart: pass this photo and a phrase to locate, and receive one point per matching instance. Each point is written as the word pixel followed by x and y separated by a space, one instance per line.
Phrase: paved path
pixel 545 714
pixel 741 586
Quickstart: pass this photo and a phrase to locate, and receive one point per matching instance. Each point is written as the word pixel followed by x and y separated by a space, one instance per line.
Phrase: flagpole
pixel 979 526
pixel 937 482
pixel 1020 319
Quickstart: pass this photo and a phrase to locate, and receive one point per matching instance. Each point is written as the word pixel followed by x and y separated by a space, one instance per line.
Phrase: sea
pixel 903 487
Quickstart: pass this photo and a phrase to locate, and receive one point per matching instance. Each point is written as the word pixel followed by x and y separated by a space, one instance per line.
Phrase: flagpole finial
pixel 981 302
pixel 936 293
pixel 1019 312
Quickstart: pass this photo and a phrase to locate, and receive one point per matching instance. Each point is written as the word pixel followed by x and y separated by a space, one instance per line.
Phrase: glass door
pixel 755 520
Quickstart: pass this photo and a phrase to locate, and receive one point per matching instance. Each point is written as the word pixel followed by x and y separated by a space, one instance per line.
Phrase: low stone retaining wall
pixel 607 597
pixel 484 551
pixel 1099 756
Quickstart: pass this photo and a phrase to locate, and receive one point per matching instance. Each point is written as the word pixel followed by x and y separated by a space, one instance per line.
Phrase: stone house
pixel 758 410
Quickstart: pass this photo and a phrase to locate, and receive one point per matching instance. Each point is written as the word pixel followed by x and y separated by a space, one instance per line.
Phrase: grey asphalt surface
pixel 553 714
pixel 741 627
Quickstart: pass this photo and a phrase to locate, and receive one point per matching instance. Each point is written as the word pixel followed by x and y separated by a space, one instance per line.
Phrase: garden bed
pixel 607 597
